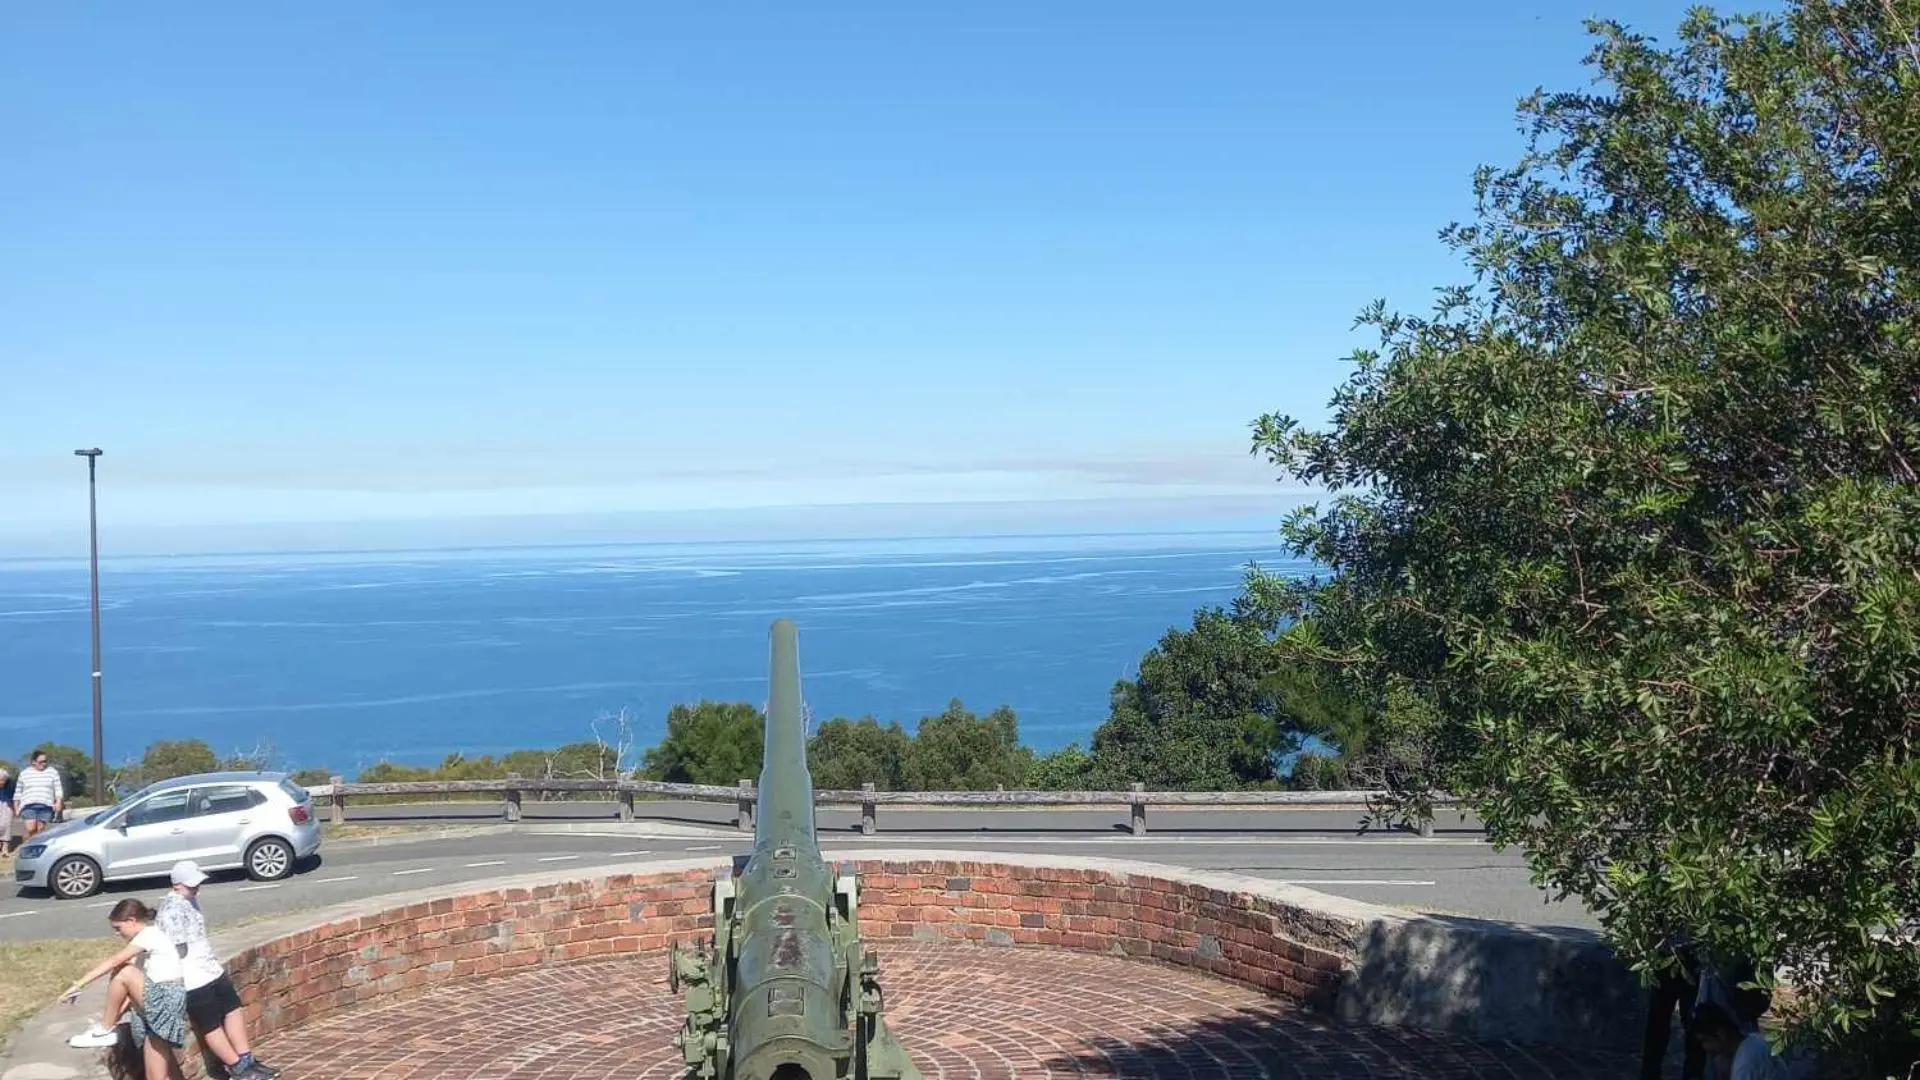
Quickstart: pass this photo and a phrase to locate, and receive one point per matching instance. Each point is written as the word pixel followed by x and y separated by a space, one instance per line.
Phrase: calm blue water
pixel 341 661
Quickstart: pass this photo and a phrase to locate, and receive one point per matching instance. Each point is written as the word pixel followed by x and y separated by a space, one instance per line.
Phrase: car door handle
pixel 178 830
pixel 244 821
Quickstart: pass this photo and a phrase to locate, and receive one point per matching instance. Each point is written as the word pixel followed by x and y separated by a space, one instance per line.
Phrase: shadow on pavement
pixel 1280 1041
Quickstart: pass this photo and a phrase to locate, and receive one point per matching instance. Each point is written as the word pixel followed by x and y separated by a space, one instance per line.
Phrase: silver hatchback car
pixel 263 822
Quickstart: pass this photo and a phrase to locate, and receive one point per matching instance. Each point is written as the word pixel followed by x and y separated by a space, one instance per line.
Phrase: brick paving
pixel 963 1011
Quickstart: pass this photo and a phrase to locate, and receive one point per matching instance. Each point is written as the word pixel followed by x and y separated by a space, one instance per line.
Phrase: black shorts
pixel 208 1006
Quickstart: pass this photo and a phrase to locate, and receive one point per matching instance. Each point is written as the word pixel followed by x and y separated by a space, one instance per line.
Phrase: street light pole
pixel 93 531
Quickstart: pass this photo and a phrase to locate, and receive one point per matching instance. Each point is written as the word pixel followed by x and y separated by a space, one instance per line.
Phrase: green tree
pixel 386 772
pixel 261 758
pixel 312 777
pixel 585 761
pixel 958 751
pixel 1200 716
pixel 709 743
pixel 1066 769
pixel 843 754
pixel 169 758
pixel 574 761
pixel 1633 518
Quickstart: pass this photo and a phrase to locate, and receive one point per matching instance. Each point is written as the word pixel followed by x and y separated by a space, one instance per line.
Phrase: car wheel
pixel 75 877
pixel 269 860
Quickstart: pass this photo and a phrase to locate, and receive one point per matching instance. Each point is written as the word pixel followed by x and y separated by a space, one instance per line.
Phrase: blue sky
pixel 462 271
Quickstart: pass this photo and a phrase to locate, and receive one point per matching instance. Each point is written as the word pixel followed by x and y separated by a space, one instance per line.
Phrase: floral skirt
pixel 163 1015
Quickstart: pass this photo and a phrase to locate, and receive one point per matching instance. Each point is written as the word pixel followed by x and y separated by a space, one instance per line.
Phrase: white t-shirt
pixel 1755 1060
pixel 181 921
pixel 162 963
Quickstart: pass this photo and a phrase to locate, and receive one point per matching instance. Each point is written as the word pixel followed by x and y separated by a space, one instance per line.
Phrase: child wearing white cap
pixel 213 1005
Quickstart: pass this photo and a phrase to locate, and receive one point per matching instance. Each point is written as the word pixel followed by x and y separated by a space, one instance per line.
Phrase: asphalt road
pixel 1450 873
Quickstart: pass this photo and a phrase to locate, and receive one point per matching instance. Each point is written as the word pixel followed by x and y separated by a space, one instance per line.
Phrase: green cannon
pixel 783 991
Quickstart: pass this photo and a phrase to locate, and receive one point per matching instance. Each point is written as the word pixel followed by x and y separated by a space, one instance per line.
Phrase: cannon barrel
pixel 785 1011
pixel 784 809
pixel 785 992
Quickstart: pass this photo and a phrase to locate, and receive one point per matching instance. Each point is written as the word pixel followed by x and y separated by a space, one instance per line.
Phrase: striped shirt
pixel 38 786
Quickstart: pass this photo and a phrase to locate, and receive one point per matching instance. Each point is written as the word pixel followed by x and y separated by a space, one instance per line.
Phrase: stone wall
pixel 1351 960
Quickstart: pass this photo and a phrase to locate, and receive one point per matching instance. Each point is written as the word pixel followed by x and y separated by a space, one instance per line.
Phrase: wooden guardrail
pixel 745 795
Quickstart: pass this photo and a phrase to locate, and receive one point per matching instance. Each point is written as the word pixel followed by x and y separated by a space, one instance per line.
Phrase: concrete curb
pixel 404 837
pixel 638 829
pixel 660 830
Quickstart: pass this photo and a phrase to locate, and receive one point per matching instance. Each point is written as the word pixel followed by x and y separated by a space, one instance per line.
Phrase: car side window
pixel 164 807
pixel 230 799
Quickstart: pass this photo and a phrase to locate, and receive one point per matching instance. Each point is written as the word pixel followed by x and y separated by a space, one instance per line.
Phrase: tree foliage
pixel 573 761
pixel 1200 716
pixel 1069 768
pixel 844 754
pixel 312 777
pixel 1634 517
pixel 959 751
pixel 712 742
pixel 169 758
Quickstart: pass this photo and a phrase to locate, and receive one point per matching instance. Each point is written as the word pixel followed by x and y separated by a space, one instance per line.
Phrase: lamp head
pixel 95 452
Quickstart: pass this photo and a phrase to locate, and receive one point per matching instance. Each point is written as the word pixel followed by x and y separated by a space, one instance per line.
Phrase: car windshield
pixel 98 816
pixel 142 793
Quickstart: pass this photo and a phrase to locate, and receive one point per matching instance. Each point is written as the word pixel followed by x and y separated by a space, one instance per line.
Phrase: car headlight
pixel 33 851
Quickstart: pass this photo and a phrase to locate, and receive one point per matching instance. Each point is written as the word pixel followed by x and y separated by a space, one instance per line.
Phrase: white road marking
pixel 104 903
pixel 495 862
pixel 415 870
pixel 333 880
pixel 624 854
pixel 257 888
pixel 704 847
pixel 557 858
pixel 1347 881
pixel 17 914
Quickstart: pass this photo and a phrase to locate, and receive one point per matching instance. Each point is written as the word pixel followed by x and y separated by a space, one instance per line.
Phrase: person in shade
pixel 1678 989
pixel 1746 1049
pixel 213 1005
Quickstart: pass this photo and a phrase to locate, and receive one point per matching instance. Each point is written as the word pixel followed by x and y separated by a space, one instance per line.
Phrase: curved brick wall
pixel 293 978
pixel 1359 962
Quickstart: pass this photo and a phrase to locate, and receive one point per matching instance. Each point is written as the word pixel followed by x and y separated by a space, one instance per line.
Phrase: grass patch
pixel 36 972
pixel 351 831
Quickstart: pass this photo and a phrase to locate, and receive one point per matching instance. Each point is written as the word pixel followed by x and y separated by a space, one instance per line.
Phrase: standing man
pixel 213 1005
pixel 38 795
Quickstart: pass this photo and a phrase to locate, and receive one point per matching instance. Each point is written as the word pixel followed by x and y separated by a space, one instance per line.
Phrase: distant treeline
pixel 1210 710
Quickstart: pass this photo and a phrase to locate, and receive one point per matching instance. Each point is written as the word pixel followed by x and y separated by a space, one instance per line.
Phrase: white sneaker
pixel 95 1036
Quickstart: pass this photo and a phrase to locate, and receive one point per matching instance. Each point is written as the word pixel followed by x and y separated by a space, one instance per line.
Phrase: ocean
pixel 340 661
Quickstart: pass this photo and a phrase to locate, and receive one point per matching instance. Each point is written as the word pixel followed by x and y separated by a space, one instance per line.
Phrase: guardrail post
pixel 868 811
pixel 1138 824
pixel 626 804
pixel 513 798
pixel 745 820
pixel 339 799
